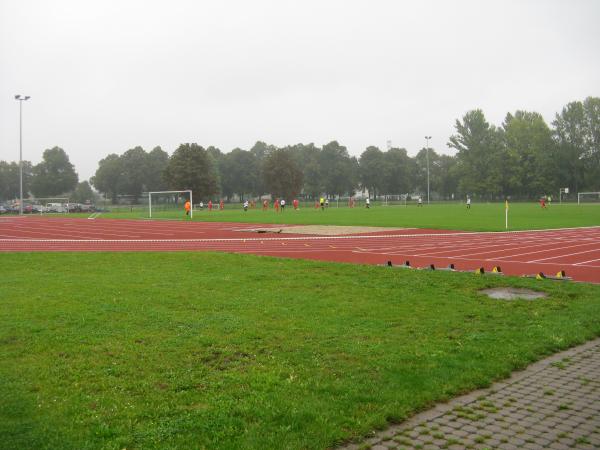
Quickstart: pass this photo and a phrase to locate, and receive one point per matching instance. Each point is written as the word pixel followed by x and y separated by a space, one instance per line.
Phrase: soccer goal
pixel 163 200
pixel 588 197
pixel 394 200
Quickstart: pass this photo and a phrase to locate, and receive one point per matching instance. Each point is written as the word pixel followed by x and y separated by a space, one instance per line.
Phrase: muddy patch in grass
pixel 511 293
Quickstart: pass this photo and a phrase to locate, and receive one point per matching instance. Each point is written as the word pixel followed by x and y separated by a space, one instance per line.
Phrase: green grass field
pixel 452 216
pixel 201 350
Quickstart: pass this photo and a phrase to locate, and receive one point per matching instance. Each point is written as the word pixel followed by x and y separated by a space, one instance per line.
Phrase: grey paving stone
pixel 379 447
pixel 507 446
pixel 533 446
pixel 526 416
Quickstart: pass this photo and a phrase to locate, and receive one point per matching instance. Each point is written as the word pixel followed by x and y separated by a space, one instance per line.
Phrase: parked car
pixel 87 208
pixel 56 207
pixel 73 207
pixel 3 210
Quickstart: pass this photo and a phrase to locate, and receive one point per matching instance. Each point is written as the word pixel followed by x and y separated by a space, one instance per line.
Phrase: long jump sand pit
pixel 323 230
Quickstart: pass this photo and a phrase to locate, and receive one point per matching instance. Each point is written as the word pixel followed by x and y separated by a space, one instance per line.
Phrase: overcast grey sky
pixel 107 75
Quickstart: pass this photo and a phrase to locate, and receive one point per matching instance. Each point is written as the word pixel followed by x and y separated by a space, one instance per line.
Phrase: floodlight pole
pixel 21 99
pixel 427 155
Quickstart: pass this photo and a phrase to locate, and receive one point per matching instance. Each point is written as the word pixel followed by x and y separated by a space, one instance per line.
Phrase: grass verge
pixel 451 216
pixel 201 350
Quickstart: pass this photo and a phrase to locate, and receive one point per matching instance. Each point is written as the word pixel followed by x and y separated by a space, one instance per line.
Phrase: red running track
pixel 575 250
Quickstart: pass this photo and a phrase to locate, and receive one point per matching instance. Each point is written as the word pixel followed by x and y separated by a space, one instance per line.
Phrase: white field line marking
pixel 563 256
pixel 548 233
pixel 542 251
pixel 492 249
pixel 451 245
pixel 63 231
pixel 279 238
pixel 92 228
pixel 585 262
pixel 489 248
pixel 299 238
pixel 479 260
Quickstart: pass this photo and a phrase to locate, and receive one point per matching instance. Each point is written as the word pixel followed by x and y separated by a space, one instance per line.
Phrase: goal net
pixel 169 203
pixel 588 197
pixel 394 200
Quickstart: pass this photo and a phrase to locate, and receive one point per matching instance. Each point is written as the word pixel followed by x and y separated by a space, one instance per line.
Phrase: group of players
pixel 279 204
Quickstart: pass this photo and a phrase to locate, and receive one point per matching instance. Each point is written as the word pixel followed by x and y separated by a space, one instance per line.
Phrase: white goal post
pixel 170 192
pixel 595 196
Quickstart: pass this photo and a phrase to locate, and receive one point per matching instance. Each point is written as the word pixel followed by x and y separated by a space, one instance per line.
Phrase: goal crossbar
pixel 170 192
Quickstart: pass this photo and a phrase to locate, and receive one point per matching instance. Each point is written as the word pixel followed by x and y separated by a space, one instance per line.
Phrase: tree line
pixel 523 158
pixel 54 176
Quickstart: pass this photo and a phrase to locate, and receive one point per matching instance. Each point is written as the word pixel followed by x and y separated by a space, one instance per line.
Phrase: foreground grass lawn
pixel 454 216
pixel 200 350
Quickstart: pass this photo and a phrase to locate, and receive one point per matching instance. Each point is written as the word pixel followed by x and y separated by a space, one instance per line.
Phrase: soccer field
pixel 206 350
pixel 451 216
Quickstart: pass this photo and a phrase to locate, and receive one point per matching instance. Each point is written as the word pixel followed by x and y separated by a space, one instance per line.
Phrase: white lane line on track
pixel 49 230
pixel 543 251
pixel 406 255
pixel 101 228
pixel 563 256
pixel 298 238
pixel 452 244
pixel 586 262
pixel 488 247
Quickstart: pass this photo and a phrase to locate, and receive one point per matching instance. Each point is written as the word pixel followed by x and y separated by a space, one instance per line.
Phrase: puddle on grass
pixel 510 293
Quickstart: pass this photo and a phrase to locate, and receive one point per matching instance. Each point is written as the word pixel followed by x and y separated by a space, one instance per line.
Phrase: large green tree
pixel 192 167
pixel 481 156
pixel 282 176
pixel 83 193
pixel 156 163
pixel 239 173
pixel 134 165
pixel 55 175
pixel 109 176
pixel 530 151
pixel 308 157
pixel 371 164
pixel 9 179
pixel 339 171
pixel 397 174
pixel 577 134
pixel 445 182
pixel 261 150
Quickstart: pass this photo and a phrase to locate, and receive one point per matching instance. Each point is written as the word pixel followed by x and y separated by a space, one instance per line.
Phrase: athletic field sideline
pixel 446 216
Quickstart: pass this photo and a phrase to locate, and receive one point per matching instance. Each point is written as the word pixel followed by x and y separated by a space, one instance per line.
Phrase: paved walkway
pixel 553 404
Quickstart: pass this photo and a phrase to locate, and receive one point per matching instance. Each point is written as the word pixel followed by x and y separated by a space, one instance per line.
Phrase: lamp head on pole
pixel 22 97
